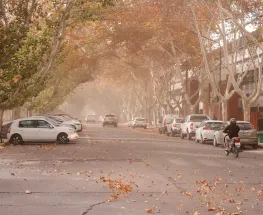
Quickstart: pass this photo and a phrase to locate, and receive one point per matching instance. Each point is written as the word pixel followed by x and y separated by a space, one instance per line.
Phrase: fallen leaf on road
pixel 196 213
pixel 253 188
pixel 149 211
pixel 180 207
pixel 12 173
pixel 211 209
pixel 28 192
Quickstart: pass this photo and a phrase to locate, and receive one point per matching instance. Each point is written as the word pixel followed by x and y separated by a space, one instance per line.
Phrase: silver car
pixel 247 134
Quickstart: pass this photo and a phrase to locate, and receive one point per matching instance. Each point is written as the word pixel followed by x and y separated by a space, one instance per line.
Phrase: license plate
pixel 237 144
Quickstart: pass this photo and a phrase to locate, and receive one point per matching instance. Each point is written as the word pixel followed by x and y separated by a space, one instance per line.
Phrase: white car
pixel 69 121
pixel 39 130
pixel 174 128
pixel 188 128
pixel 139 122
pixel 206 131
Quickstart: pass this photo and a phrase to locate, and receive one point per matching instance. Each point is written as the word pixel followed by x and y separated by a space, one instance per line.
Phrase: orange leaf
pixel 149 211
pixel 211 209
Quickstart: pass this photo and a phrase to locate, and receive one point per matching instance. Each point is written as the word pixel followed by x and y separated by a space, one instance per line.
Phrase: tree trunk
pixel 224 110
pixel 16 113
pixel 29 112
pixel 246 109
pixel 1 122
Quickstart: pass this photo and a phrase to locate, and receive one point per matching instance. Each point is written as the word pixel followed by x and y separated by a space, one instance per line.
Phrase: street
pixel 118 171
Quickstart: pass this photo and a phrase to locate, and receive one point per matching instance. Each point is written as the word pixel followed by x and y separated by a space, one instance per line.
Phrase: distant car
pixel 139 122
pixel 247 134
pixel 91 118
pixel 130 123
pixel 174 128
pixel 39 130
pixel 188 128
pixel 167 119
pixel 4 130
pixel 110 119
pixel 206 130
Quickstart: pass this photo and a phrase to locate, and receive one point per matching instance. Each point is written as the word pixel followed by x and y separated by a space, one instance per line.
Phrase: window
pixel 43 124
pixel 179 120
pixel 245 126
pixel 213 124
pixel 27 124
pixel 109 115
pixel 198 118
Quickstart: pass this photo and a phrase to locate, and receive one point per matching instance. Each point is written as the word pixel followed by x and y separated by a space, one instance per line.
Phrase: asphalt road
pixel 119 171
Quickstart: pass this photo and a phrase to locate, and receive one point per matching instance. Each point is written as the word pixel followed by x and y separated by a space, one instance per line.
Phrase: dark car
pixel 4 130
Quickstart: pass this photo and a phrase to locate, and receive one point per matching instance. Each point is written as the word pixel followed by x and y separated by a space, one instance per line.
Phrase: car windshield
pixel 53 121
pixel 245 126
pixel 56 118
pixel 213 125
pixel 179 120
pixel 198 118
pixel 140 119
pixel 109 115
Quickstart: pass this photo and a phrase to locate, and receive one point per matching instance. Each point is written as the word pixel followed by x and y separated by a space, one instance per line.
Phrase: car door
pixel 46 131
pixel 199 130
pixel 220 134
pixel 28 130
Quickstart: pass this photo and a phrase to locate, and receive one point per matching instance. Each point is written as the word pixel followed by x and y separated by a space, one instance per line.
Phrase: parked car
pixel 69 121
pixel 91 118
pixel 188 128
pixel 206 131
pixel 167 119
pixel 39 130
pixel 110 119
pixel 56 121
pixel 139 122
pixel 4 130
pixel 174 128
pixel 247 134
pixel 130 123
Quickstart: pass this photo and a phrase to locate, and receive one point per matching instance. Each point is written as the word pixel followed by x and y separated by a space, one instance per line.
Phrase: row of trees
pixel 157 45
pixel 40 63
pixel 138 49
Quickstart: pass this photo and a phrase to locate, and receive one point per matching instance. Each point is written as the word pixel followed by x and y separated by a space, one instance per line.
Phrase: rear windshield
pixel 198 118
pixel 213 124
pixel 140 119
pixel 179 120
pixel 109 115
pixel 245 126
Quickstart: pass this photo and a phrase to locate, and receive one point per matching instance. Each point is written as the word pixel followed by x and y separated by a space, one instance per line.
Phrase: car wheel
pixel 255 146
pixel 167 133
pixel 215 142
pixel 62 138
pixel 202 140
pixel 16 139
pixel 182 135
pixel 188 135
pixel 172 132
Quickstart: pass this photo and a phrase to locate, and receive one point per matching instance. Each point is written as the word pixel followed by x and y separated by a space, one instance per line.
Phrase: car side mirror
pixel 51 127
